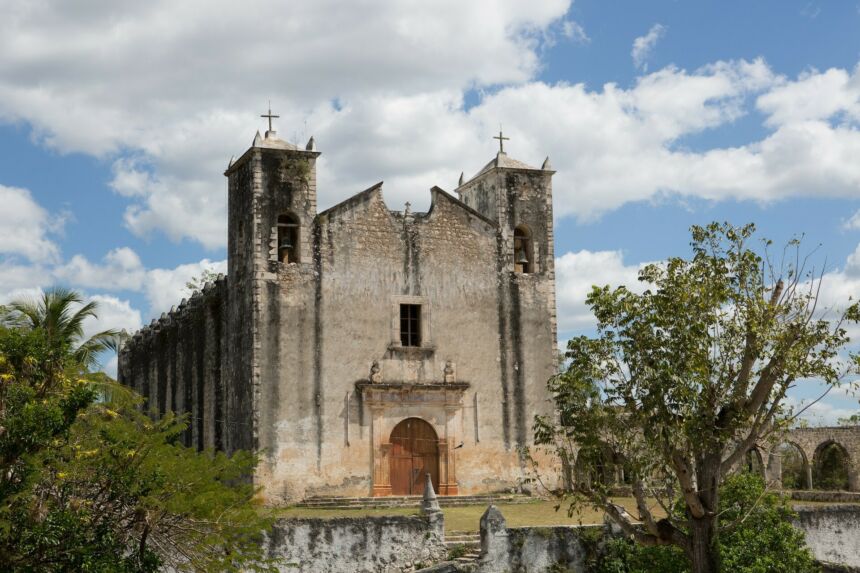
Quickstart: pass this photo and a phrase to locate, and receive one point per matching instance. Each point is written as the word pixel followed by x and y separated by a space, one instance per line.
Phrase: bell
pixel 521 258
pixel 286 243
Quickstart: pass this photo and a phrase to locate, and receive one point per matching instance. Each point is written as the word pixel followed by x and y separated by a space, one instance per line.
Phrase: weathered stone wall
pixel 825 496
pixel 387 544
pixel 274 356
pixel 177 363
pixel 832 532
pixel 325 321
pixel 812 440
pixel 535 549
pixel 809 442
pixel 515 195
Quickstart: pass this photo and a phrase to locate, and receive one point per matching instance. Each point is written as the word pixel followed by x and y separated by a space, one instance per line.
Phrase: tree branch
pixel 685 478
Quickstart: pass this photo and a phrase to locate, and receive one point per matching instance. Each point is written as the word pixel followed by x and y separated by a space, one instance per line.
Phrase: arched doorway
pixel 831 467
pixel 414 452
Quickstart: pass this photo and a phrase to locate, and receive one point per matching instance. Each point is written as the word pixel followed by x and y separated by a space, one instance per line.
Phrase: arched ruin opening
pixel 831 467
pixel 594 467
pixel 753 462
pixel 793 466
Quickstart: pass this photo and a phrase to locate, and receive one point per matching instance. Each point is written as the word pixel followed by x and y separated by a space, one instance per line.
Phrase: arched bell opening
pixel 523 251
pixel 288 238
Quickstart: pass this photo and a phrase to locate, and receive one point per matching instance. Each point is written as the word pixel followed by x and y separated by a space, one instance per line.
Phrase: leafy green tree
pixel 683 379
pixel 762 541
pixel 89 485
pixel 142 496
pixel 44 371
pixel 41 395
pixel 59 315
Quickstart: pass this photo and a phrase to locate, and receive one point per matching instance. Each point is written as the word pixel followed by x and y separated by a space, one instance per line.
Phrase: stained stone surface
pixel 278 356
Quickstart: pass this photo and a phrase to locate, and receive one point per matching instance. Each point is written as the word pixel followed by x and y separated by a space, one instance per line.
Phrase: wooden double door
pixel 414 453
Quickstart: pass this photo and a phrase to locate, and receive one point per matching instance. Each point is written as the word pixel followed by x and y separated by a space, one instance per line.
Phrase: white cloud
pixel 173 85
pixel 16 279
pixel 574 32
pixel 25 226
pixel 121 269
pixel 166 287
pixel 826 412
pixel 644 45
pixel 113 314
pixel 813 96
pixel 853 223
pixel 165 97
pixel 577 272
pixel 111 366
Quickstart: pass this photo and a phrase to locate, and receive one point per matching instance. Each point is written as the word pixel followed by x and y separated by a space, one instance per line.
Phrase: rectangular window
pixel 410 325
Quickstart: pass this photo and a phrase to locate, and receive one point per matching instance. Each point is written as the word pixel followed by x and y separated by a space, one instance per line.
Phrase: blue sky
pixel 117 119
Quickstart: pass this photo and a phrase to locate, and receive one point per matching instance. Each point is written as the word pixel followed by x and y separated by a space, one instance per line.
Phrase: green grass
pixel 467 518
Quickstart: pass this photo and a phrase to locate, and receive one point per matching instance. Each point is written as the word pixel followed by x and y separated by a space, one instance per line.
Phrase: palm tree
pixel 59 313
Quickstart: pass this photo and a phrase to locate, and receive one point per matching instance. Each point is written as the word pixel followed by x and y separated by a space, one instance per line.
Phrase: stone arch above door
pixel 439 405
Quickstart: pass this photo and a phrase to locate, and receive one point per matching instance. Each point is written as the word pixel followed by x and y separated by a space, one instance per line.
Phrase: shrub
pixel 764 541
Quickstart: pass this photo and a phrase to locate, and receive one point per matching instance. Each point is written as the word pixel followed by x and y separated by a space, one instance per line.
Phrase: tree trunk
pixel 703 530
pixel 703 551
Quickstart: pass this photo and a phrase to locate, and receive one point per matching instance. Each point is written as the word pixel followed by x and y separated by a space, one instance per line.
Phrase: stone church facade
pixel 359 348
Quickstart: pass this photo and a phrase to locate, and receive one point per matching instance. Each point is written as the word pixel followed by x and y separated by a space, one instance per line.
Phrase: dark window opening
pixel 522 251
pixel 410 325
pixel 288 239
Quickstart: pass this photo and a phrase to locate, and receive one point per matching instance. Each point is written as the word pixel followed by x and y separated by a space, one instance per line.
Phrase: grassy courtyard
pixel 467 518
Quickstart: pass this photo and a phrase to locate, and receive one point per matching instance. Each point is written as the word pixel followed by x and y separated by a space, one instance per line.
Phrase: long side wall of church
pixel 177 364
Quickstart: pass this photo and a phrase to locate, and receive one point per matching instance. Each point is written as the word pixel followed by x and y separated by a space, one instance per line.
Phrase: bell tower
pixel 519 198
pixel 271 206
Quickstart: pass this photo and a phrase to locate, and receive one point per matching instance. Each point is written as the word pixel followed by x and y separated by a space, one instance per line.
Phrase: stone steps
pixel 468 558
pixel 333 502
pixel 470 543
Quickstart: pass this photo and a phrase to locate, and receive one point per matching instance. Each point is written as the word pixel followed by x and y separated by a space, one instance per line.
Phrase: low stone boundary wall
pixel 826 496
pixel 534 549
pixel 384 544
pixel 395 544
pixel 832 532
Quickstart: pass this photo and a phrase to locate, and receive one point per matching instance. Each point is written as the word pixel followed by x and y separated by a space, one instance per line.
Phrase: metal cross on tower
pixel 502 139
pixel 270 116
